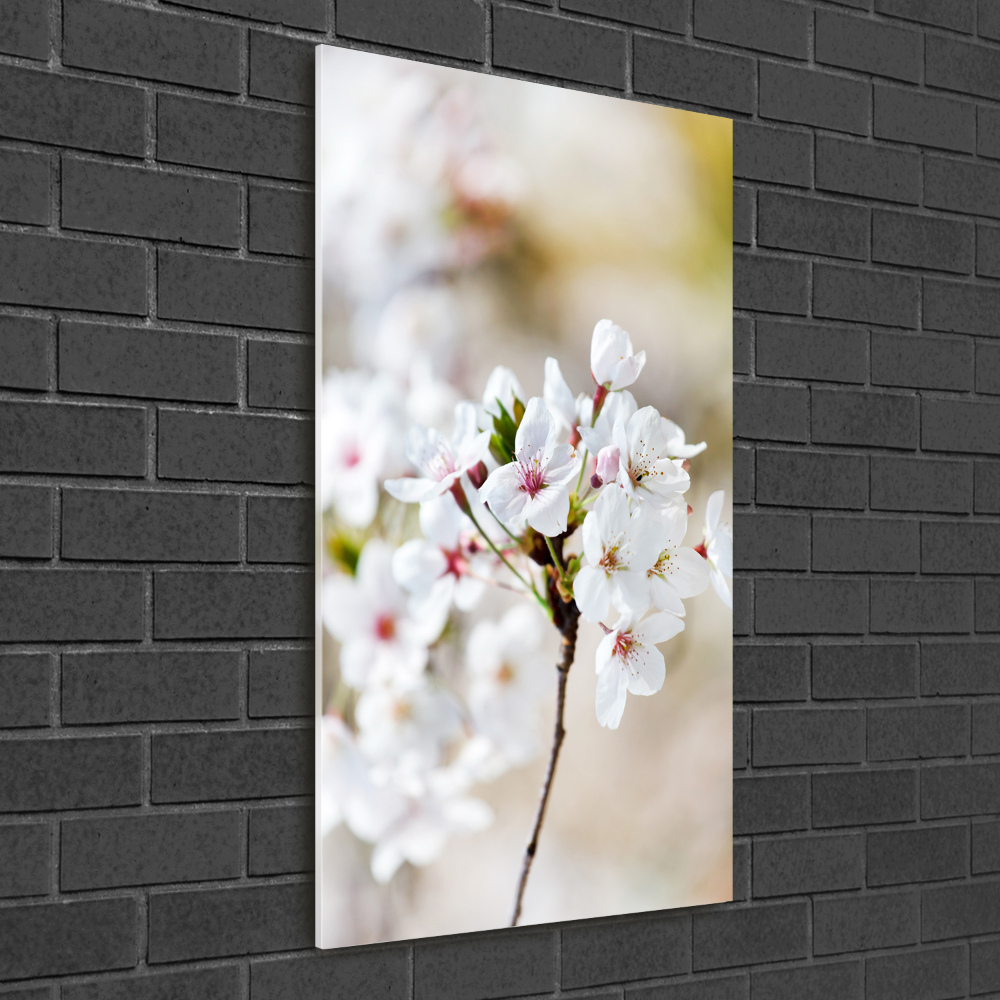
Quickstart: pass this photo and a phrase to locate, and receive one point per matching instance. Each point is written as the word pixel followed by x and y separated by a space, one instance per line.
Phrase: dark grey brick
pixel 254 293
pixel 219 983
pixel 930 974
pixel 383 972
pixel 988 250
pixel 131 41
pixel 25 679
pixel 962 66
pixel 41 605
pixel 41 270
pixel 770 673
pixel 151 363
pixel 294 13
pixel 811 351
pixel 775 804
pixel 985 847
pixel 24 30
pixel 921 362
pixel 678 71
pixel 960 668
pixel 149 686
pixel 24 860
pixel 886 670
pixel 702 988
pixel 24 187
pixel 844 980
pixel 922 241
pixel 770 284
pixel 988 368
pixel 905 115
pixel 783 736
pixel 768 933
pixel 815 605
pixel 26 522
pixel 959 790
pixel 791 866
pixel 868 296
pixel 24 352
pixel 280 530
pixel 921 484
pixel 40 775
pixel 664 15
pixel 281 683
pixel 134 201
pixel 204 767
pixel 960 910
pixel 865 545
pixel 281 841
pixel 987 500
pixel 762 25
pixel 742 344
pixel 864 923
pixel 643 948
pixel 859 43
pixel 771 541
pixel 533 42
pixel 864 418
pixel 960 15
pixel 963 547
pixel 777 155
pixel 242 920
pixel 986 728
pixel 150 526
pixel 744 200
pixel 856 798
pixel 741 606
pixel 84 114
pixel 988 22
pixel 281 221
pixel 281 375
pixel 741 892
pixel 149 850
pixel 961 307
pixel 770 412
pixel 741 739
pixel 812 225
pixel 902 732
pixel 928 854
pixel 494 965
pixel 243 139
pixel 921 606
pixel 453 28
pixel 962 186
pixel 207 605
pixel 867 171
pixel 92 935
pixel 743 474
pixel 988 605
pixel 985 972
pixel 808 479
pixel 952 425
pixel 239 447
pixel 808 97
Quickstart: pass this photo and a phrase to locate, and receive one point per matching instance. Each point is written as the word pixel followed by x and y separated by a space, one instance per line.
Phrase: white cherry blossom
pixel 534 488
pixel 718 547
pixel 369 615
pixel 440 460
pixel 601 434
pixel 628 662
pixel 569 412
pixel 621 546
pixel 679 571
pixel 613 363
pixel 501 387
pixel 676 445
pixel 645 468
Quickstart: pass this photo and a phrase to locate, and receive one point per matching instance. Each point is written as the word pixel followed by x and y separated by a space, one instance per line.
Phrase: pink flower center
pixel 385 628
pixel 623 645
pixel 532 478
pixel 352 456
pixel 458 565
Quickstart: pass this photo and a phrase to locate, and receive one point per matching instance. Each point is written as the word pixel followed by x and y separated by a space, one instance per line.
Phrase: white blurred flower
pixel 569 412
pixel 501 387
pixel 601 434
pixel 508 680
pixel 612 361
pixel 718 547
pixel 440 460
pixel 645 468
pixel 368 614
pixel 534 488
pixel 620 546
pixel 628 662
pixel 679 571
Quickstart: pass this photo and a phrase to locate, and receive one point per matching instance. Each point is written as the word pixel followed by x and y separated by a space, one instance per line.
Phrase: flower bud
pixel 607 463
pixel 596 482
pixel 478 474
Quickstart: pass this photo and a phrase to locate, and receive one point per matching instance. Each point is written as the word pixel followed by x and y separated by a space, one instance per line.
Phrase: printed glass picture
pixel 524 462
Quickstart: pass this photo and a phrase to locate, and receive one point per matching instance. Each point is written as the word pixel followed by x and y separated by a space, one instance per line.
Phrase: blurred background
pixel 467 221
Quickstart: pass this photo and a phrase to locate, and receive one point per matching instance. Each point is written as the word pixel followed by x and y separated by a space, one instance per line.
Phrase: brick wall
pixel 155 466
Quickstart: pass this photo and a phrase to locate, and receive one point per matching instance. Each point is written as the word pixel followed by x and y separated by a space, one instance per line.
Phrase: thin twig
pixel 569 629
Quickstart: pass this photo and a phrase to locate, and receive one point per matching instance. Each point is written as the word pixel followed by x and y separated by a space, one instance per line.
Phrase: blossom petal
pixel 689 572
pixel 411 490
pixel 535 434
pixel 612 691
pixel 712 511
pixel 592 593
pixel 548 510
pixel 502 492
pixel 558 395
pixel 647 669
pixel 631 591
pixel 417 565
pixel 657 628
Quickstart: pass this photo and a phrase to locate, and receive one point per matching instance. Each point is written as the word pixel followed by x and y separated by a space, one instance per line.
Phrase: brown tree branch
pixel 567 618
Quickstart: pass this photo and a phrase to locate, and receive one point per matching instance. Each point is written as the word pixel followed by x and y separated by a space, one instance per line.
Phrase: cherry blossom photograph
pixel 524 503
